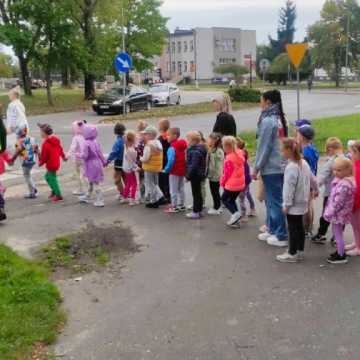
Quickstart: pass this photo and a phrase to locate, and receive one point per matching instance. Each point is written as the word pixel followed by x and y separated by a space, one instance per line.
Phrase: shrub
pixel 244 94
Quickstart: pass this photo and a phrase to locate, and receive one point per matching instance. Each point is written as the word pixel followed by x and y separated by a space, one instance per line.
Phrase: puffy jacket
pixel 233 178
pixel 176 158
pixel 152 160
pixel 51 153
pixel 117 153
pixel 196 162
pixel 215 164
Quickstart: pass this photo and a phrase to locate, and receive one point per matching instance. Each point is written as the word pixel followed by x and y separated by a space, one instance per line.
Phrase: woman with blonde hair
pixel 225 122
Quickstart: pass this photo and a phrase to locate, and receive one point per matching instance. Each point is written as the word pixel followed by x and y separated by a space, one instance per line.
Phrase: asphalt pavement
pixel 198 290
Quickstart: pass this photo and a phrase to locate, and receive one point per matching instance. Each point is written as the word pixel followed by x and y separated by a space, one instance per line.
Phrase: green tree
pixel 234 69
pixel 7 68
pixel 329 36
pixel 286 29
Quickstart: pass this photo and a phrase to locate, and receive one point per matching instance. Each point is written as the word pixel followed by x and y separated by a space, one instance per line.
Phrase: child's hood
pixel 78 127
pixel 90 132
pixel 311 150
pixel 53 141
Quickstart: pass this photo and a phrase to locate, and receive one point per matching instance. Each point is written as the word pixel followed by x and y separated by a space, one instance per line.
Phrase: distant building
pixel 193 54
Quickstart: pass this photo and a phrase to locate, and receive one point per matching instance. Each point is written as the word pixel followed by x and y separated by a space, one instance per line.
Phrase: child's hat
pixel 307 132
pixel 46 128
pixel 302 122
pixel 150 130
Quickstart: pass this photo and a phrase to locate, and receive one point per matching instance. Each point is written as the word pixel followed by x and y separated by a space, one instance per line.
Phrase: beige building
pixel 195 53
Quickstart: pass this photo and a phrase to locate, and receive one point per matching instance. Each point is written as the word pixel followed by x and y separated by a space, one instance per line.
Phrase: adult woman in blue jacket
pixel 270 164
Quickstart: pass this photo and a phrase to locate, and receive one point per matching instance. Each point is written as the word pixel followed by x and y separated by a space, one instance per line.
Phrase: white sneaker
pixel 264 236
pixel 287 258
pixel 214 212
pixel 123 201
pixel 99 203
pixel 274 241
pixel 85 199
pixel 133 202
pixel 263 229
pixel 234 219
pixel 300 255
pixel 78 192
pixel 119 197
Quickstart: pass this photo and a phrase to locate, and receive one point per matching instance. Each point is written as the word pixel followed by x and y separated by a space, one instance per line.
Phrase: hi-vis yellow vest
pixel 155 163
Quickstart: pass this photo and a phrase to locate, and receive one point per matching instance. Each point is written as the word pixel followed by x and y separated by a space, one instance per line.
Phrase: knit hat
pixel 307 132
pixel 150 130
pixel 46 128
pixel 302 122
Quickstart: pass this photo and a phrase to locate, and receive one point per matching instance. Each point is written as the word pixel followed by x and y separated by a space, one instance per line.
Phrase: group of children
pixel 152 165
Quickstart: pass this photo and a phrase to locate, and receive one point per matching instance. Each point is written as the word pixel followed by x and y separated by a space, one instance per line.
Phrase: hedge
pixel 245 94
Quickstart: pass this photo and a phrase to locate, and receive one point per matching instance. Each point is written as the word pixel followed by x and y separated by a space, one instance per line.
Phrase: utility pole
pixel 251 78
pixel 124 50
pixel 347 53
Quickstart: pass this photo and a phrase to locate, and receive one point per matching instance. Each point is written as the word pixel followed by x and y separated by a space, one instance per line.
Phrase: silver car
pixel 165 94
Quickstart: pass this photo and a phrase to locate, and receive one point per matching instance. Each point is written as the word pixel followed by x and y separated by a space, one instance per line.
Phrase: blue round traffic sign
pixel 123 62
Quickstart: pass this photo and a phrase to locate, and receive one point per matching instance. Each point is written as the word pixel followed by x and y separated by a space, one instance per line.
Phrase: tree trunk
pixel 89 86
pixel 48 87
pixel 65 77
pixel 25 75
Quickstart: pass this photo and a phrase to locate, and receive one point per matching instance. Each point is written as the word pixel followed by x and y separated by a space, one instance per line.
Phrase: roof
pixel 181 32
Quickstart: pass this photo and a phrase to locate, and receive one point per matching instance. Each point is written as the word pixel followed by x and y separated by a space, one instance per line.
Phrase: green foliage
pixel 7 68
pixel 234 69
pixel 244 94
pixel 29 306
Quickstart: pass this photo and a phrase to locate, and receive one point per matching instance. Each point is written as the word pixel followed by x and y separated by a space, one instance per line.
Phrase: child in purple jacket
pixel 94 163
pixel 340 206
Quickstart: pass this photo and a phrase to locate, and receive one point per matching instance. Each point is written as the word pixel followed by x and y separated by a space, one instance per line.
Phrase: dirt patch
pixel 95 248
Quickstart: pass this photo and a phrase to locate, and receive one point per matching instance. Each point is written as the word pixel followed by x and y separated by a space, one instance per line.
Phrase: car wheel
pixel 178 101
pixel 148 106
pixel 127 108
pixel 100 112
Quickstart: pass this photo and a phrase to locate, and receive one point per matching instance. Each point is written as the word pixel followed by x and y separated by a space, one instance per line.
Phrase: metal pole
pixel 251 79
pixel 298 93
pixel 347 53
pixel 123 46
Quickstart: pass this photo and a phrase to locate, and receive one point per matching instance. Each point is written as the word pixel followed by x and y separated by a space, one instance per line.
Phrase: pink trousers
pixel 355 223
pixel 130 186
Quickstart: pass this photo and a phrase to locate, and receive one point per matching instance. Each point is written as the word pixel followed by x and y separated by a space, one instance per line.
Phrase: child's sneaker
pixel 123 200
pixel 30 196
pixel 133 202
pixel 235 218
pixel 193 216
pixel 154 205
pixel 57 199
pixel 85 199
pixel 252 213
pixel 119 197
pixel 78 192
pixel 300 255
pixel 287 258
pixel 99 203
pixel 2 215
pixel 181 208
pixel 214 212
pixel 171 210
pixel 264 229
pixel 319 239
pixel 50 197
pixel 335 258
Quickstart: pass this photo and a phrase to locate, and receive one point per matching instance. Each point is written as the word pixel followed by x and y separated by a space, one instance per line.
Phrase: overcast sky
pixel 259 15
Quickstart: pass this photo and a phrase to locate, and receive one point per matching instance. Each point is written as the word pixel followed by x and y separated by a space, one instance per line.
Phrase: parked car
pixel 112 101
pixel 220 80
pixel 165 94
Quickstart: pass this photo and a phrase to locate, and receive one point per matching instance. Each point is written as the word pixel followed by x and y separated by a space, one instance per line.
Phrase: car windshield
pixel 116 92
pixel 159 89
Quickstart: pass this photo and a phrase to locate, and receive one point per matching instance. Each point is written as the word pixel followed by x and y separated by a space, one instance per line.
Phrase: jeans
pixel 29 180
pixel 177 191
pixel 52 180
pixel 198 202
pixel 215 193
pixel 296 233
pixel 130 186
pixel 229 200
pixel 273 185
pixel 152 191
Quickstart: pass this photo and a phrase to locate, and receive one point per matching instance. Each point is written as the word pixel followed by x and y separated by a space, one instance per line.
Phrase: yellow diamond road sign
pixel 296 53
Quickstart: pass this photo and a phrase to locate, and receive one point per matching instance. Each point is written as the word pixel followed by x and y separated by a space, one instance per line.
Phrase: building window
pixel 173 67
pixel 173 47
pixel 225 45
pixel 180 68
pixel 191 45
pixel 224 61
pixel 185 46
pixel 179 47
pixel 185 66
pixel 192 66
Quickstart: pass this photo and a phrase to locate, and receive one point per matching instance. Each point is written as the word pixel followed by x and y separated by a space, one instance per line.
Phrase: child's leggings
pixel 29 179
pixel 338 231
pixel 246 194
pixel 79 176
pixel 130 185
pixel 2 193
pixel 52 180
pixel 355 223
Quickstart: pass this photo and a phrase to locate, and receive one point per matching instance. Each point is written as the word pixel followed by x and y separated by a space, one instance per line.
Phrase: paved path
pixel 198 290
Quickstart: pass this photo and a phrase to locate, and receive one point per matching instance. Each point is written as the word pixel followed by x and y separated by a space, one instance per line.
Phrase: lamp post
pixel 347 53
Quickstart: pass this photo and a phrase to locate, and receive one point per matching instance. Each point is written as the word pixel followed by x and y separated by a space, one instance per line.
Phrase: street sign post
pixel 123 63
pixel 296 53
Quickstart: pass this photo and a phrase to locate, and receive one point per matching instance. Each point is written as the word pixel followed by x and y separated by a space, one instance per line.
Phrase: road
pixel 197 291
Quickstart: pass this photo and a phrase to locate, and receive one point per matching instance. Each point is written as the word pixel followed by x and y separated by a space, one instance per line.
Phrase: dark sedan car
pixel 112 101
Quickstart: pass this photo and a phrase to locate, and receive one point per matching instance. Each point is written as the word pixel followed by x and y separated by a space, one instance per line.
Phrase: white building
pixel 195 53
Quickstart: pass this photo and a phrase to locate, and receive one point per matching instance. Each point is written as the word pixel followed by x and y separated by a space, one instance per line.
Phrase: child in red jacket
pixel 51 155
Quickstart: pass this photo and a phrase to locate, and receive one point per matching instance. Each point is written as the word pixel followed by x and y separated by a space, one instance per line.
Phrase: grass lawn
pixel 169 111
pixel 64 99
pixel 344 127
pixel 29 306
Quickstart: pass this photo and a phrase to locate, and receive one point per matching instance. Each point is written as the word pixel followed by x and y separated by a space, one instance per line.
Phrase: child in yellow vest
pixel 152 164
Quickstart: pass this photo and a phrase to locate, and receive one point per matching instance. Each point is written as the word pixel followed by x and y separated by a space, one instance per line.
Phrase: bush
pixel 242 94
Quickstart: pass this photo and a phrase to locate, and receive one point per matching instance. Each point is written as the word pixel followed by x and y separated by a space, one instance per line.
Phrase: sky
pixel 259 15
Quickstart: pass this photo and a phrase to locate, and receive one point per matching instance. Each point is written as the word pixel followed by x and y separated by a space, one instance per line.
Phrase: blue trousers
pixel 273 185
